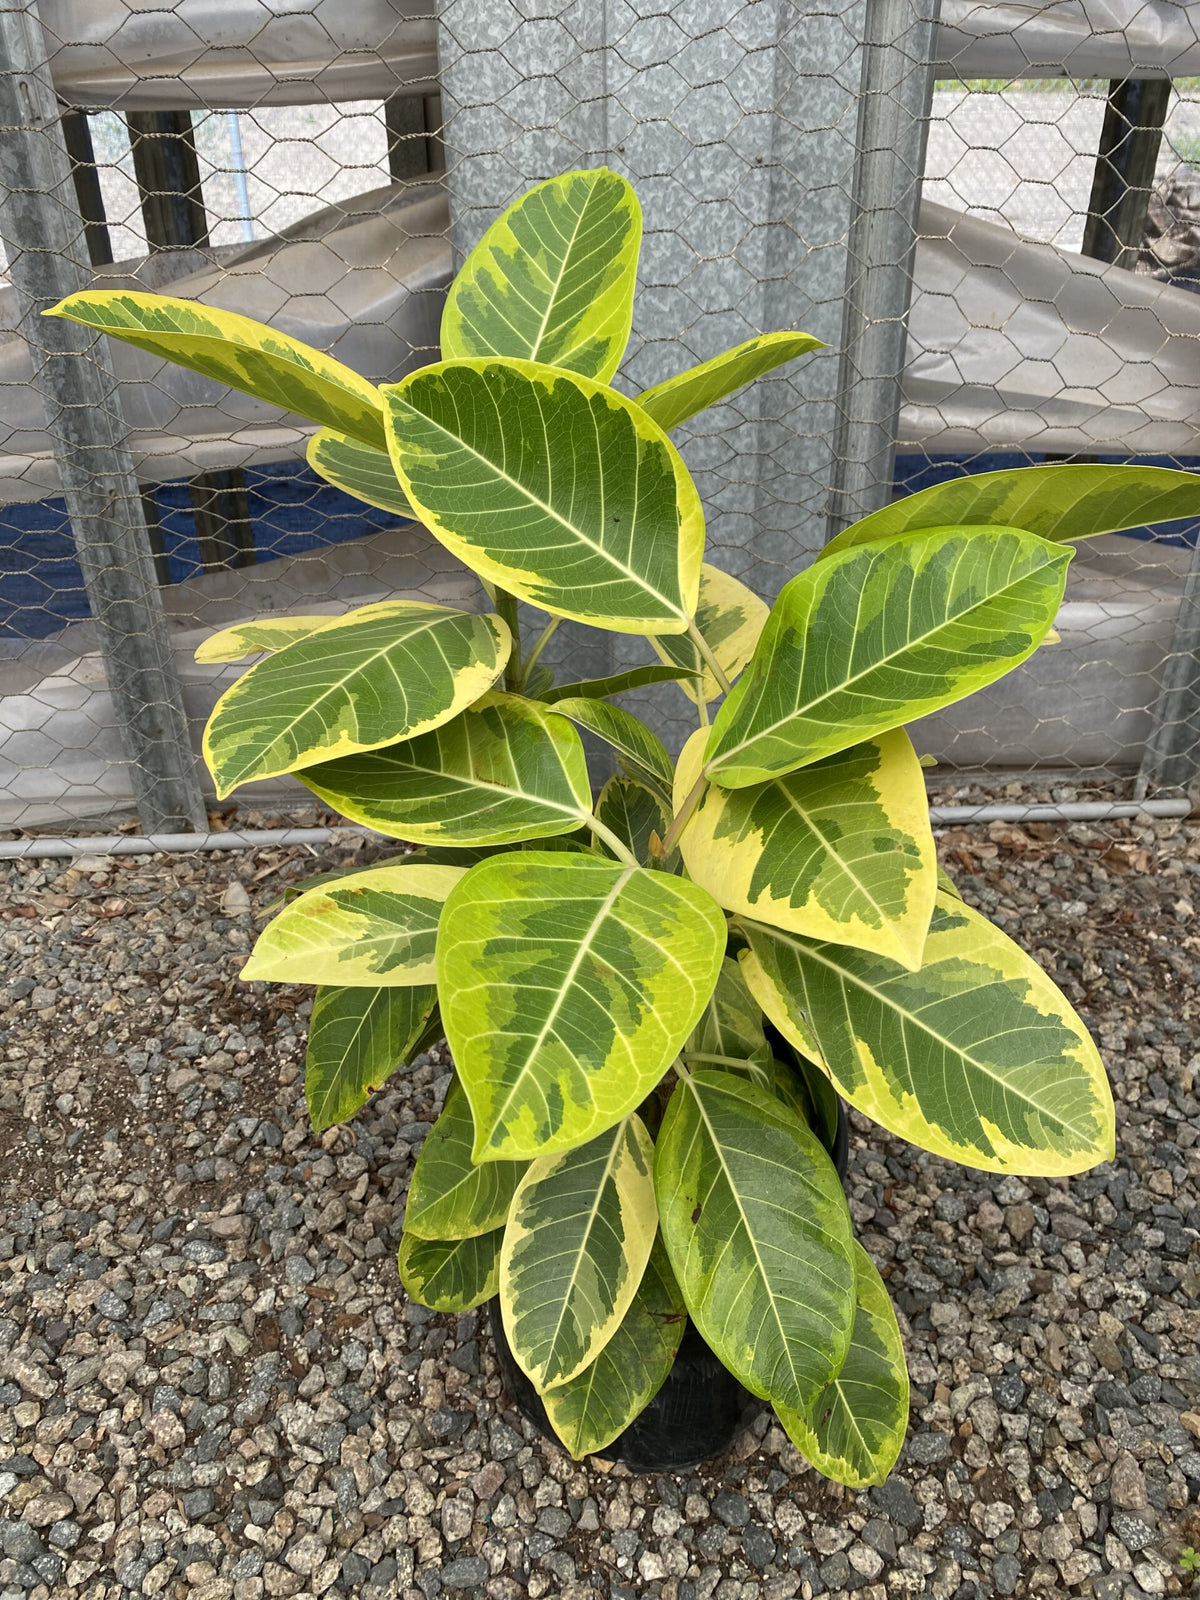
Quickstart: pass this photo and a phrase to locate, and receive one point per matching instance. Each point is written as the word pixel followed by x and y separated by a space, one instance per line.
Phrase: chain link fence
pixel 992 217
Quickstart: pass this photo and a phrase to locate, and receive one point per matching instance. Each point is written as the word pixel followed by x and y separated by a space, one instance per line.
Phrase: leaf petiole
pixel 684 815
pixel 506 610
pixel 539 644
pixel 618 847
pixel 709 659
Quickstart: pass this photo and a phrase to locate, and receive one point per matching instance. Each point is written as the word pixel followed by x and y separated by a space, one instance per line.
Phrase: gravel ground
pixel 211 1384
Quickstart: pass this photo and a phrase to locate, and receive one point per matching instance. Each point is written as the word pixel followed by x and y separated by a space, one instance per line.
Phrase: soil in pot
pixel 697 1413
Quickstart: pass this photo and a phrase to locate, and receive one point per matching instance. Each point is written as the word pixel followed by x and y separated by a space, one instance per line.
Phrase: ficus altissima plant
pixel 653 998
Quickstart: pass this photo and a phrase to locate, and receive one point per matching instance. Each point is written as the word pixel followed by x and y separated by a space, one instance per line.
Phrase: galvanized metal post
pixel 893 127
pixel 44 239
pixel 736 124
pixel 1130 139
pixel 1172 754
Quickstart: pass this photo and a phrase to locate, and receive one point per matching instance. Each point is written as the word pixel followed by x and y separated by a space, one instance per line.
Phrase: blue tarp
pixel 292 510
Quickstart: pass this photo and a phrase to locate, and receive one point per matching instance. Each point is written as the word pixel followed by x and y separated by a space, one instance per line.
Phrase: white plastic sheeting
pixel 363 280
pixel 1015 345
pixel 1068 39
pixel 146 55
pixel 236 54
pixel 1011 345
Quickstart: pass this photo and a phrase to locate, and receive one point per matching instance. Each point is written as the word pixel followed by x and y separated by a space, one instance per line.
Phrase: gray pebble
pixel 202 1251
pixel 232 1271
pixel 896 1499
pixel 758 1546
pixel 732 1510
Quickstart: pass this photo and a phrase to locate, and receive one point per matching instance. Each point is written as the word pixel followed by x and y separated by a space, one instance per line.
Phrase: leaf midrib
pixel 588 1226
pixel 557 281
pixel 840 861
pixel 339 1074
pixel 809 706
pixel 585 945
pixel 569 527
pixel 748 1230
pixel 336 687
pixel 843 974
pixel 222 341
pixel 579 811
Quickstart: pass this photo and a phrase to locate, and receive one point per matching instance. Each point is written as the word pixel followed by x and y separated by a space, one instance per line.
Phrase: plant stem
pixel 702 708
pixel 618 847
pixel 506 609
pixel 710 660
pixel 684 815
pixel 539 644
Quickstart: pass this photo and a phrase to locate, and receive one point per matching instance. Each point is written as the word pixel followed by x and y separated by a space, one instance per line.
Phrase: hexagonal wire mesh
pixel 319 171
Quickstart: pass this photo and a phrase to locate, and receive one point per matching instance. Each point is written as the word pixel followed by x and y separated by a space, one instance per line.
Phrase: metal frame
pixel 893 130
pixel 1129 145
pixel 44 237
pixel 167 168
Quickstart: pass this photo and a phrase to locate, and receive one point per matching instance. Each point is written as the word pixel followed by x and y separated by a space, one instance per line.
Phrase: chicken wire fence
pixel 992 217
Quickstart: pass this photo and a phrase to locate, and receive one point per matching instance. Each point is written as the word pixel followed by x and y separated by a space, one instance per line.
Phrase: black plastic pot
pixel 696 1414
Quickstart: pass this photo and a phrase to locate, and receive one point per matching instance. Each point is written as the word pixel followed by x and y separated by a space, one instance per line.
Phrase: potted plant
pixel 653 997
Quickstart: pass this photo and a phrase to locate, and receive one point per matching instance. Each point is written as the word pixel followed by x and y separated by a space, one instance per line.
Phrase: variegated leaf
pixel 729 1034
pixel 634 812
pixel 628 735
pixel 808 1088
pixel 601 1401
pixel 840 850
pixel 358 469
pixel 880 634
pixel 617 682
pixel 568 984
pixel 293 890
pixel 553 486
pixel 356 1040
pixel 232 349
pixel 381 673
pixel 855 1428
pixel 978 1056
pixel 947 884
pixel 552 279
pixel 259 637
pixel 730 618
pixel 375 928
pixel 756 1226
pixel 1058 501
pixel 575 1247
pixel 450 1196
pixel 676 399
pixel 788 1084
pixel 450 1274
pixel 505 769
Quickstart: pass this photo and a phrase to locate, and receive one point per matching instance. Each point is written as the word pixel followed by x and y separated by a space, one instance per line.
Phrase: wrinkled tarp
pixel 1011 345
pixel 1024 346
pixel 146 55
pixel 236 54
pixel 1068 39
pixel 363 280
pixel 1081 703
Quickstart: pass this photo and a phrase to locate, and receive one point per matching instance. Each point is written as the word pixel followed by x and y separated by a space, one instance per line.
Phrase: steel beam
pixel 44 238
